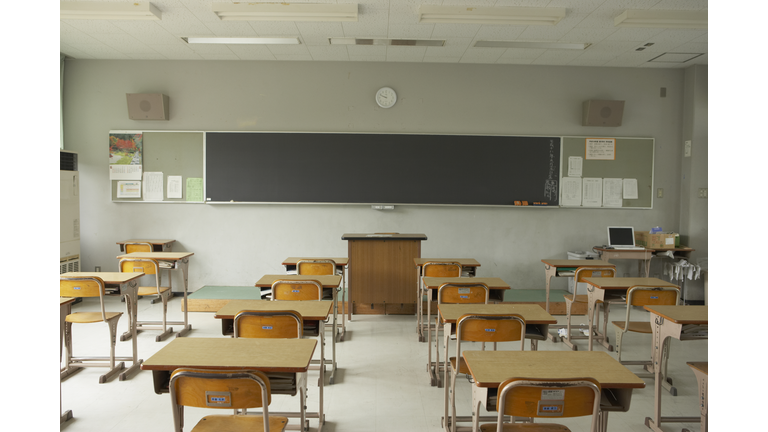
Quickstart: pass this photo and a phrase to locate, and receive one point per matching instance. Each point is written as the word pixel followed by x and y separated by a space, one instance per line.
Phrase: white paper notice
pixel 153 186
pixel 612 192
pixel 174 186
pixel 592 192
pixel 601 149
pixel 574 166
pixel 571 187
pixel 630 188
pixel 129 189
pixel 125 172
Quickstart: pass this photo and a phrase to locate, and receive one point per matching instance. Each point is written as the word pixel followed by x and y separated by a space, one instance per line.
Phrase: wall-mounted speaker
pixel 147 106
pixel 602 113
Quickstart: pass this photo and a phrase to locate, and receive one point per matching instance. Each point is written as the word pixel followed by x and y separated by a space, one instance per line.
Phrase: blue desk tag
pixel 266 327
pixel 490 330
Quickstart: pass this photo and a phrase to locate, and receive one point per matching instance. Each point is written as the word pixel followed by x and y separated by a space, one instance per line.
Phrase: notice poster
pixel 600 149
pixel 125 161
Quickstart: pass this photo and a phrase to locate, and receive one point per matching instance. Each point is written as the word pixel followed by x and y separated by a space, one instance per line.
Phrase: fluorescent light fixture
pixel 491 15
pixel 390 42
pixel 243 41
pixel 541 45
pixel 285 12
pixel 662 19
pixel 675 57
pixel 109 11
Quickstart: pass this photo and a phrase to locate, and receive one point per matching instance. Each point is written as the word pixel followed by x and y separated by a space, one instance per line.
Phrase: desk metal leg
pixel 131 301
pixel 333 343
pixel 549 273
pixel 183 265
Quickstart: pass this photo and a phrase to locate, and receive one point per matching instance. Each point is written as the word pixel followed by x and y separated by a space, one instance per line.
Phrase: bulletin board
pixel 632 158
pixel 174 154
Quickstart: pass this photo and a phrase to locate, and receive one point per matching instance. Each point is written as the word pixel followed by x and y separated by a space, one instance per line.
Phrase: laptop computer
pixel 622 238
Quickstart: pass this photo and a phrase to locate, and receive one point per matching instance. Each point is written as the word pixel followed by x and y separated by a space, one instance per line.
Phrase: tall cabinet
pixel 69 218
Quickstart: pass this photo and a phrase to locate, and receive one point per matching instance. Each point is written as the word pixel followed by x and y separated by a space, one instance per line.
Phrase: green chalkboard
pixel 632 159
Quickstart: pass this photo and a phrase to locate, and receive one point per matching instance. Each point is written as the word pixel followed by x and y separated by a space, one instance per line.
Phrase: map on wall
pixel 125 156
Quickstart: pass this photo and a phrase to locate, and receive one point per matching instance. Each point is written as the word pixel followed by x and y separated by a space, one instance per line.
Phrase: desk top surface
pixel 492 282
pixel 384 236
pixel 163 256
pixel 328 281
pixel 308 309
pixel 681 314
pixel 491 368
pixel 702 367
pixel 531 313
pixel 466 262
pixel 340 261
pixel 576 263
pixel 626 282
pixel 66 300
pixel 107 277
pixel 269 355
pixel 150 241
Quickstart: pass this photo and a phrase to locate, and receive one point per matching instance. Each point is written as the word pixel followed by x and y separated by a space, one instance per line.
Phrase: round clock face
pixel 386 97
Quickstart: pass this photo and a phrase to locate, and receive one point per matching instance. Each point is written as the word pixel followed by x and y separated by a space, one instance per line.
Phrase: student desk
pixel 682 323
pixel 701 370
pixel 381 277
pixel 330 282
pixel 341 267
pixel 490 368
pixel 126 285
pixel 468 269
pixel 536 319
pixel 65 308
pixel 606 289
pixel 161 245
pixel 642 255
pixel 285 361
pixel 496 288
pixel 176 261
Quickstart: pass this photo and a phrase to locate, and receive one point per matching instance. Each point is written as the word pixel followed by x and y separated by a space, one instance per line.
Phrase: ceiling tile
pixel 329 53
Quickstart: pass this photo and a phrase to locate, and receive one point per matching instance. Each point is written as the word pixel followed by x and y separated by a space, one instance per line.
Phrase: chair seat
pixel 233 423
pixel 635 326
pixel 462 365
pixel 90 317
pixel 527 427
pixel 143 291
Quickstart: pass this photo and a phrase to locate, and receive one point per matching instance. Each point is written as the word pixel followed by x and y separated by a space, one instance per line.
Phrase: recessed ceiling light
pixel 675 57
pixel 109 10
pixel 390 42
pixel 521 44
pixel 243 41
pixel 284 12
pixel 491 15
pixel 661 19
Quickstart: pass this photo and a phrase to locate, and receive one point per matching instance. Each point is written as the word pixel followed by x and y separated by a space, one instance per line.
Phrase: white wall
pixel 234 245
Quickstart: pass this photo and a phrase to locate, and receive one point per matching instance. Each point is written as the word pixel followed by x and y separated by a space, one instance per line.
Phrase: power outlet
pixel 703 193
pixel 687 148
pixel 98 268
pixel 659 193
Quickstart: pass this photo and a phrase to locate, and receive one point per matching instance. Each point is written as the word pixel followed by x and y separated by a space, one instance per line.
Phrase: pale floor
pixel 381 383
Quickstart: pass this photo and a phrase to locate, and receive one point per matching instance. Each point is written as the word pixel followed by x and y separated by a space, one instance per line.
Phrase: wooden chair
pixel 454 293
pixel 131 247
pixel 641 296
pixel 223 390
pixel 297 290
pixel 431 269
pixel 89 287
pixel 284 324
pixel 480 328
pixel 321 267
pixel 149 267
pixel 571 299
pixel 524 397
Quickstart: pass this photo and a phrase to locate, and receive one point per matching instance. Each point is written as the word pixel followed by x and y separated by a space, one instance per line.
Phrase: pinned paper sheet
pixel 574 166
pixel 601 149
pixel 612 192
pixel 571 187
pixel 129 189
pixel 630 188
pixel 592 192
pixel 153 186
pixel 194 189
pixel 174 186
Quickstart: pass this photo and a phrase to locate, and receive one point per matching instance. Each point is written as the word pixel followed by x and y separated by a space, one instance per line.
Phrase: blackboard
pixel 275 167
pixel 634 158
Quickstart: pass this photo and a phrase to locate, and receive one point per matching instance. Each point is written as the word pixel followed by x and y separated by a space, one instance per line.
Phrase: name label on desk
pixel 464 290
pixel 490 330
pixel 654 297
pixel 296 291
pixel 550 408
pixel 77 288
pixel 266 327
pixel 218 399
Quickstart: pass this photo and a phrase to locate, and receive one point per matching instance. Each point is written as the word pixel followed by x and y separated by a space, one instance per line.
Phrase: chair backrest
pixel 644 295
pixel 441 269
pixel 297 290
pixel 530 397
pixel 146 265
pixel 316 267
pixel 83 287
pixel 585 272
pixel 284 324
pixel 219 390
pixel 490 328
pixel 131 247
pixel 465 292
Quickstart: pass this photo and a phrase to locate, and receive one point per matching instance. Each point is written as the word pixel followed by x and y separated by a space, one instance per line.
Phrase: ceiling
pixel 586 21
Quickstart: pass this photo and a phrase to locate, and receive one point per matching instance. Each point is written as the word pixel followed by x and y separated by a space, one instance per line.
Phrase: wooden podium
pixel 382 276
